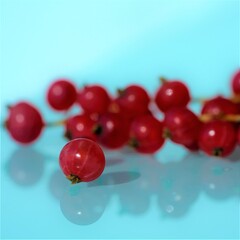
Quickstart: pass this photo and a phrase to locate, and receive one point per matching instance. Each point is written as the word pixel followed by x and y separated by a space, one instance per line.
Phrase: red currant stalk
pixel 219 106
pixel 234 118
pixel 82 160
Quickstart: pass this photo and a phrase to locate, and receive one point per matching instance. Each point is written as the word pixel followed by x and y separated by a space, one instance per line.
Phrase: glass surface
pixel 172 194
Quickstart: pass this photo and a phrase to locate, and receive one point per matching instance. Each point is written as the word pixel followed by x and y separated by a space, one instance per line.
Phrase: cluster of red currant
pixel 129 119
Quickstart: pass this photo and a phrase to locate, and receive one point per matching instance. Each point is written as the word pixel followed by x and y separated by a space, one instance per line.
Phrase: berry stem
pixel 56 123
pixel 74 179
pixel 235 98
pixel 163 80
pixel 228 118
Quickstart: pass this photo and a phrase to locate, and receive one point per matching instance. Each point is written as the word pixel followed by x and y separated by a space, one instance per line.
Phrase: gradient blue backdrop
pixel 112 42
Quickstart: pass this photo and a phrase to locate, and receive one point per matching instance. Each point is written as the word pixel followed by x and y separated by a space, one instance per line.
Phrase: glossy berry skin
pixel 94 99
pixel 80 126
pixel 133 100
pixel 219 106
pixel 172 94
pixel 112 131
pixel 236 83
pixel 82 160
pixel 182 126
pixel 24 122
pixel 146 134
pixel 217 138
pixel 61 95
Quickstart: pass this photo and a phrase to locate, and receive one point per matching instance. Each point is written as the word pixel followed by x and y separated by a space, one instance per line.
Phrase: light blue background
pixel 117 42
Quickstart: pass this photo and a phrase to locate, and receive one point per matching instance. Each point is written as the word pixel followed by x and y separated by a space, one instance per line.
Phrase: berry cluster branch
pixel 126 119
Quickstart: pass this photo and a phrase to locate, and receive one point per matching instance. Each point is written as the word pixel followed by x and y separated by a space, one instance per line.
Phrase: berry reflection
pixel 82 205
pixel 138 181
pixel 26 166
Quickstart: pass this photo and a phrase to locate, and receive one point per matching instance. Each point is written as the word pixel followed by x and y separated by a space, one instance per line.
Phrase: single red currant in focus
pixel 182 126
pixel 146 134
pixel 82 160
pixel 133 100
pixel 217 138
pixel 219 106
pixel 172 94
pixel 112 130
pixel 94 99
pixel 61 95
pixel 24 122
pixel 236 83
pixel 80 126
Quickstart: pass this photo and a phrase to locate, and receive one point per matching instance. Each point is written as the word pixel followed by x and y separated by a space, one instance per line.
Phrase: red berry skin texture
pixel 24 122
pixel 112 131
pixel 236 83
pixel 219 106
pixel 217 138
pixel 82 160
pixel 61 95
pixel 182 126
pixel 172 94
pixel 94 99
pixel 80 126
pixel 133 100
pixel 146 134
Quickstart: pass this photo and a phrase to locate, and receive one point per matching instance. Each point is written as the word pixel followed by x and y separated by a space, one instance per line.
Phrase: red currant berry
pixel 193 147
pixel 146 134
pixel 24 122
pixel 172 94
pixel 236 83
pixel 94 99
pixel 217 138
pixel 61 95
pixel 219 106
pixel 112 130
pixel 182 126
pixel 82 160
pixel 133 100
pixel 80 126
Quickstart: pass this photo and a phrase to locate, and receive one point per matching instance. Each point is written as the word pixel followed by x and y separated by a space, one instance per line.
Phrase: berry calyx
pixel 82 160
pixel 217 138
pixel 61 95
pixel 24 122
pixel 172 94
